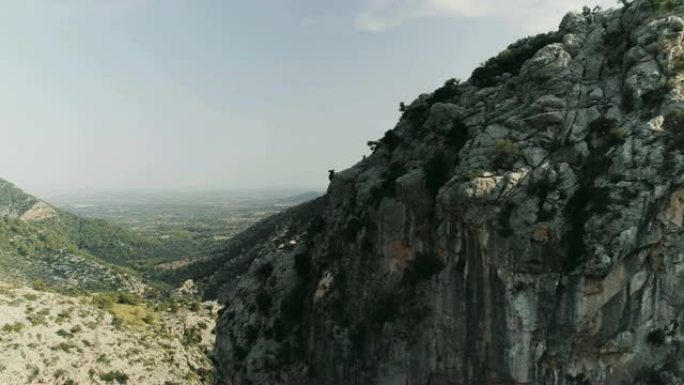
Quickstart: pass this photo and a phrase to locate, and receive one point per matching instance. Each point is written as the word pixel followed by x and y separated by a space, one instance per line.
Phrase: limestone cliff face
pixel 524 227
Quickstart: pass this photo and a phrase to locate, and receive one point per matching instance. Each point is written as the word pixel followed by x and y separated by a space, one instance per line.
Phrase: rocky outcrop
pixel 39 212
pixel 524 227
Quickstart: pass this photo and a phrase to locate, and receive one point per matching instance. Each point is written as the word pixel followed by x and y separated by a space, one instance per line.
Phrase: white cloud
pixel 524 15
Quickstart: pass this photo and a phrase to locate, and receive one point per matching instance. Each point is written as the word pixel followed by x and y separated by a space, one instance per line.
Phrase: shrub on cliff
pixel 457 136
pixel 511 59
pixel 423 267
pixel 264 302
pixel 656 337
pixel 507 153
pixel 111 377
pixel 129 299
pixel 386 310
pixel 607 130
pixel 448 91
pixel 665 5
pixel 390 141
pixel 674 121
pixel 674 125
pixel 436 173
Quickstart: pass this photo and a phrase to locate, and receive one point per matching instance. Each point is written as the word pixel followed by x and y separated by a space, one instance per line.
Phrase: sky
pixel 208 94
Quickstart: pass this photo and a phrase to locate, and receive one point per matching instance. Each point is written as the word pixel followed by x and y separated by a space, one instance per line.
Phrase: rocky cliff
pixel 523 227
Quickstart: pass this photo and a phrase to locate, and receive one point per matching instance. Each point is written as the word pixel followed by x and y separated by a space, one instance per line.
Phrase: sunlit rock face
pixel 523 227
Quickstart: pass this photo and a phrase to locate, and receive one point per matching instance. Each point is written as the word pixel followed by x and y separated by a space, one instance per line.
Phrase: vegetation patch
pixel 436 173
pixel 192 336
pixel 34 372
pixel 302 265
pixel 507 153
pixel 66 347
pixel 587 199
pixel 114 376
pixel 665 5
pixel 316 226
pixel 30 297
pixel 264 271
pixel 607 132
pixel 458 135
pixel 353 227
pixel 504 228
pixel 678 63
pixel 388 186
pixel 650 376
pixel 449 91
pixel 391 140
pixel 129 299
pixel 134 315
pixel 541 189
pixel 423 267
pixel 39 285
pixel 386 309
pixel 13 328
pixel 511 59
pixel 102 301
pixel 358 336
pixel 674 126
pixel 618 43
pixel 656 337
pixel 627 100
pixel 15 199
pixel 655 97
pixel 63 316
pixel 40 317
pixel 293 306
pixel 264 302
pixel 65 334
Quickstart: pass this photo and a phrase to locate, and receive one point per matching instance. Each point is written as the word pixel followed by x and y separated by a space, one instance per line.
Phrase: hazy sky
pixel 120 94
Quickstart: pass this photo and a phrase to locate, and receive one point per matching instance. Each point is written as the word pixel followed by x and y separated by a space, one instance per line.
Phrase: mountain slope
pixel 40 242
pixel 524 227
pixel 234 259
pixel 48 338
pixel 111 337
pixel 13 201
